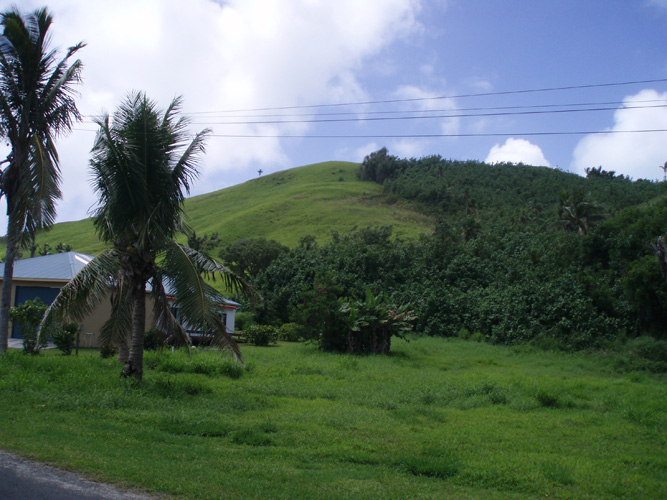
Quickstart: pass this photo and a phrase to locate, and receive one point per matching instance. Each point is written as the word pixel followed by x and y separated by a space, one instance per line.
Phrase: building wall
pixel 91 324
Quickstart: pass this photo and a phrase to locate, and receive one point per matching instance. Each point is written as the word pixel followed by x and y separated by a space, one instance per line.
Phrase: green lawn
pixel 436 419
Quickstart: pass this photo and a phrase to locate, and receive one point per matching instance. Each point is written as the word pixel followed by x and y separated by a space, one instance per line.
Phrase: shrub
pixel 243 320
pixel 291 332
pixel 154 339
pixel 27 317
pixel 107 351
pixel 261 335
pixel 373 322
pixel 64 336
pixel 644 353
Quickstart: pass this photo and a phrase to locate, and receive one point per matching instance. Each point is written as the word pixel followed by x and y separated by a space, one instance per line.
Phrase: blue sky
pixel 249 54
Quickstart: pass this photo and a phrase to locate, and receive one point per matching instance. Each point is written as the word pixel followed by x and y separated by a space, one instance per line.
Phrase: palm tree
pixel 36 104
pixel 143 166
pixel 576 213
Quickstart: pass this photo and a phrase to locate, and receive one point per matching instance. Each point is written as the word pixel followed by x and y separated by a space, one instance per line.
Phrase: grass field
pixel 285 206
pixel 436 419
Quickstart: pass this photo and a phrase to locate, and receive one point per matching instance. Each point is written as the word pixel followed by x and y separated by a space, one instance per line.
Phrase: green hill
pixel 285 206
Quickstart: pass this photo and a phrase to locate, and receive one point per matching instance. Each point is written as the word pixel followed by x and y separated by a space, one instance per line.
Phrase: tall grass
pixel 436 419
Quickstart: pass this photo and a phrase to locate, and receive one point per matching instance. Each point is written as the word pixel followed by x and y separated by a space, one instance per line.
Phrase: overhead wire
pixel 437 110
pixel 423 136
pixel 428 117
pixel 309 117
pixel 459 96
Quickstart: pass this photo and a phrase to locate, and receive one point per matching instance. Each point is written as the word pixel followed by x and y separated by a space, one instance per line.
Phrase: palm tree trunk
pixel 6 297
pixel 135 362
pixel 123 351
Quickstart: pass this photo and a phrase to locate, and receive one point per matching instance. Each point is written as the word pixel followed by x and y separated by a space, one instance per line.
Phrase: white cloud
pixel 636 154
pixel 363 151
pixel 517 151
pixel 409 148
pixel 240 54
pixel 423 103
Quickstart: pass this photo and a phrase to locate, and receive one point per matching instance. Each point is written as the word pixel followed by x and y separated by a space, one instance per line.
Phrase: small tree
pixel 373 321
pixel 143 166
pixel 64 336
pixel 250 256
pixel 320 315
pixel 27 317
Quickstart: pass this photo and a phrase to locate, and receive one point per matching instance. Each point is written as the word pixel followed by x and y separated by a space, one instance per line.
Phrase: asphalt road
pixel 22 479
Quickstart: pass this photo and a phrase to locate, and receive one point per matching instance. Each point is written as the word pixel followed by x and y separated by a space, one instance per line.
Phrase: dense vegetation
pixel 519 254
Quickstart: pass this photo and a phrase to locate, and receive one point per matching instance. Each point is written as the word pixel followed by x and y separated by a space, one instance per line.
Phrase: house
pixel 44 276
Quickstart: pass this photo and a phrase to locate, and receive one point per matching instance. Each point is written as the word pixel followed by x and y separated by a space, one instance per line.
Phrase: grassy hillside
pixel 285 206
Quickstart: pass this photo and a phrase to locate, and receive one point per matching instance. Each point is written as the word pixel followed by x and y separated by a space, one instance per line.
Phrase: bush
pixel 243 320
pixel 154 339
pixel 644 353
pixel 373 322
pixel 27 317
pixel 261 335
pixel 107 351
pixel 291 332
pixel 64 336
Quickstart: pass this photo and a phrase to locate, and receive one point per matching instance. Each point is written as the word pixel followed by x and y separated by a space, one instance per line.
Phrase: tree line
pixel 569 264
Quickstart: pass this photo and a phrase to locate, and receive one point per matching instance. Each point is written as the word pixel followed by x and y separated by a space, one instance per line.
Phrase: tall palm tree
pixel 36 104
pixel 143 166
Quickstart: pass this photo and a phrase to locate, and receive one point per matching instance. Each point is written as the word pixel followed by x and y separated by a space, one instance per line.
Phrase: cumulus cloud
pixel 635 154
pixel 221 56
pixel 517 151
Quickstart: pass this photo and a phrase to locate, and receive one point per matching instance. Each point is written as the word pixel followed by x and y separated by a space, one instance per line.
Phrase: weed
pixel 431 462
pixel 557 473
pixel 172 387
pixel 252 436
pixel 548 399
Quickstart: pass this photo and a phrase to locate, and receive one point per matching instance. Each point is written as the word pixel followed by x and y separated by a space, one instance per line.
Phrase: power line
pixel 393 112
pixel 426 136
pixel 419 99
pixel 428 117
pixel 487 108
pixel 419 136
pixel 422 117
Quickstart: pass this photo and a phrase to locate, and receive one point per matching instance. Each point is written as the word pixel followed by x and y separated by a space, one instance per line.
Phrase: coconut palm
pixel 143 166
pixel 36 105
pixel 576 213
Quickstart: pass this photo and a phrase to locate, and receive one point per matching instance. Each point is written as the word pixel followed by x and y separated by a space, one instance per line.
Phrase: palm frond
pixel 199 304
pixel 164 318
pixel 185 169
pixel 230 279
pixel 222 339
pixel 118 327
pixel 89 286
